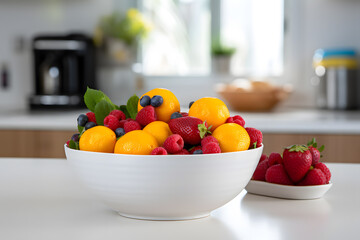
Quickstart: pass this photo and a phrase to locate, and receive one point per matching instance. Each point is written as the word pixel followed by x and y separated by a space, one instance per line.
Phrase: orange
pixel 160 130
pixel 210 109
pixel 169 106
pixel 136 142
pixel 98 139
pixel 232 137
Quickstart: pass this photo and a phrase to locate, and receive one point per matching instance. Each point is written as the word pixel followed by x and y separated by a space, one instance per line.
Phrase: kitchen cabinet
pixel 49 144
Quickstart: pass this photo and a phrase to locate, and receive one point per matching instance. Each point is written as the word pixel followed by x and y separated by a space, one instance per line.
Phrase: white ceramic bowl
pixel 169 187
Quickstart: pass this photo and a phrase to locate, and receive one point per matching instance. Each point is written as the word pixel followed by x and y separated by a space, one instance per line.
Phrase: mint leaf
pixel 132 106
pixel 73 145
pixel 92 97
pixel 102 109
pixel 124 110
pixel 80 128
pixel 321 148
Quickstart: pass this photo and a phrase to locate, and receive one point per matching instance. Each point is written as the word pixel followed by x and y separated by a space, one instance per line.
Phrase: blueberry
pixel 190 104
pixel 119 132
pixel 75 137
pixel 145 101
pixel 156 101
pixel 199 151
pixel 89 125
pixel 175 115
pixel 82 120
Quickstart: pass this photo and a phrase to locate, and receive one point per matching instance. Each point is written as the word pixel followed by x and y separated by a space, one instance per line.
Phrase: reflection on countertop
pixel 282 120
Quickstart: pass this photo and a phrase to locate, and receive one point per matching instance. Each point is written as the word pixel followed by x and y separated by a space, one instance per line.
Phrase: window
pixel 180 41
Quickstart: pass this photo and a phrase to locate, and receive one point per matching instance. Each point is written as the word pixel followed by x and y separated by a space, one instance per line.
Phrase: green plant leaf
pixel 92 97
pixel 321 148
pixel 132 106
pixel 102 109
pixel 124 110
pixel 255 144
pixel 80 128
pixel 73 145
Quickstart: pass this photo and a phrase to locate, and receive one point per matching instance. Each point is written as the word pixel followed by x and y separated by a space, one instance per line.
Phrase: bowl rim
pixel 156 156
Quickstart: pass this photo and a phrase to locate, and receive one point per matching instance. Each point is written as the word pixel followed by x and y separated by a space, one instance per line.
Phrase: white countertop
pixel 286 120
pixel 41 199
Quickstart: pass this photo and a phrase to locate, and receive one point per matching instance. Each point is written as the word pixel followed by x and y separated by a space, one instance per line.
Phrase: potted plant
pixel 118 35
pixel 221 57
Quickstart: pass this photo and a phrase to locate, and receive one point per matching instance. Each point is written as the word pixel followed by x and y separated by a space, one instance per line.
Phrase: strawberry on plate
pixel 297 161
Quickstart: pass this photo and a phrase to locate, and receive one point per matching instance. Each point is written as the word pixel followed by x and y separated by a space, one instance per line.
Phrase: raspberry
pixel 325 170
pixel 120 115
pixel 111 122
pixel 255 137
pixel 159 151
pixel 263 157
pixel 122 122
pixel 91 117
pixel 184 114
pixel 208 139
pixel 194 149
pixel 211 147
pixel 260 171
pixel 182 152
pixel 314 177
pixel 275 158
pixel 315 155
pixel 236 119
pixel 131 126
pixel 146 115
pixel 174 143
pixel 277 174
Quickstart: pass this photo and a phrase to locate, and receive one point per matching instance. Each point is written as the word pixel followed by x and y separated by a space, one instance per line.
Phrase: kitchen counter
pixel 284 120
pixel 42 199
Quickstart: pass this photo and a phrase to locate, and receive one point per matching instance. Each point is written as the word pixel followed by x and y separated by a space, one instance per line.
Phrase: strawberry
pixel 275 158
pixel 191 129
pixel 277 174
pixel 260 171
pixel 146 115
pixel 315 152
pixel 263 157
pixel 297 161
pixel 314 177
pixel 325 170
pixel 255 137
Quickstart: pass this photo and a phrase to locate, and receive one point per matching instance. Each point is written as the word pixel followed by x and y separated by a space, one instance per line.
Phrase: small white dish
pixel 286 191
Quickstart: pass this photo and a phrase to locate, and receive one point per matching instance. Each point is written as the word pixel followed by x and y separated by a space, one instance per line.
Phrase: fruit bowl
pixel 168 187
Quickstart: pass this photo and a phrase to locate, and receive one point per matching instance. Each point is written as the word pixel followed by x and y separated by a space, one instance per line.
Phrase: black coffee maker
pixel 64 66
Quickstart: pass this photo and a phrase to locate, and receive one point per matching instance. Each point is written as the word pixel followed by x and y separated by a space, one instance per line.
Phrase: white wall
pixel 312 24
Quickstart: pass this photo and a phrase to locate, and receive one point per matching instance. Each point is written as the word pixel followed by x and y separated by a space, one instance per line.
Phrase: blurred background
pixel 289 67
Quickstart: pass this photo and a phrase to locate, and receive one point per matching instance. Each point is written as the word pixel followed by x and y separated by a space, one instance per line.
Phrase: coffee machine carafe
pixel 64 67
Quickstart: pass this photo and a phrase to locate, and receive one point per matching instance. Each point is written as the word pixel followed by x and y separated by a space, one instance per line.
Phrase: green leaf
pixel 92 97
pixel 255 143
pixel 73 145
pixel 321 148
pixel 124 109
pixel 297 148
pixel 132 106
pixel 102 109
pixel 80 128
